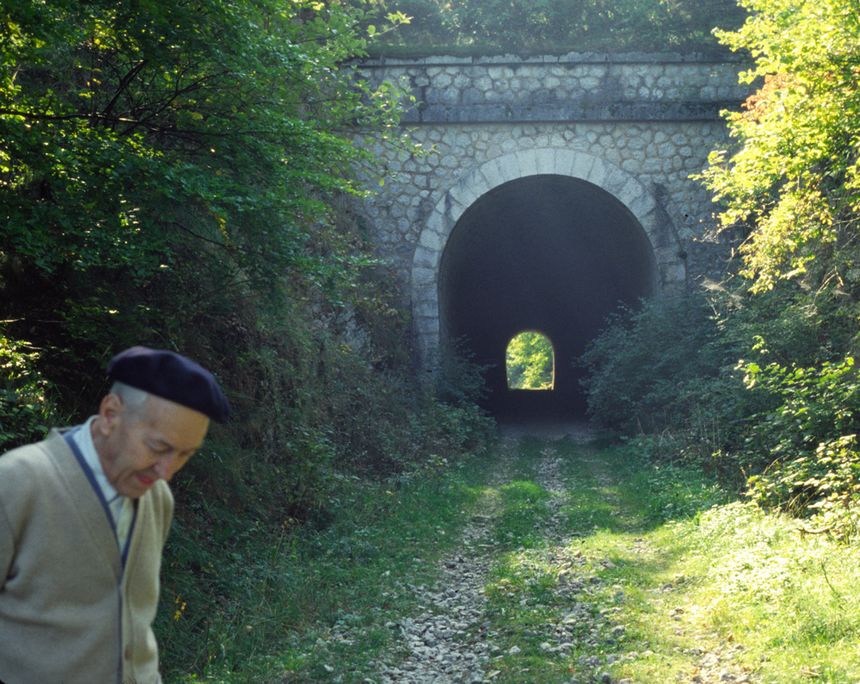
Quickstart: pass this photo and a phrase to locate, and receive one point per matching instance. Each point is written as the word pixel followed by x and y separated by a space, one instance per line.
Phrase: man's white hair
pixel 132 397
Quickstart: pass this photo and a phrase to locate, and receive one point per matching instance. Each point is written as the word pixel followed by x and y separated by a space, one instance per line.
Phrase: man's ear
pixel 110 410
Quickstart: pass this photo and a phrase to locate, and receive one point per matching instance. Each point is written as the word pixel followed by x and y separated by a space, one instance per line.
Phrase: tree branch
pixel 186 229
pixel 123 85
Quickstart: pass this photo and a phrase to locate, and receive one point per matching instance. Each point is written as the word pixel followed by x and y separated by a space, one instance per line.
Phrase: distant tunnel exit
pixel 530 361
pixel 544 253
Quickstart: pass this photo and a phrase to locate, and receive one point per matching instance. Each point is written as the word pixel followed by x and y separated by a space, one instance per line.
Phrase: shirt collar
pixel 84 440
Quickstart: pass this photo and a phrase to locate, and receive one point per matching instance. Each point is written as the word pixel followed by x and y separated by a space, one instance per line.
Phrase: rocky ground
pixel 451 639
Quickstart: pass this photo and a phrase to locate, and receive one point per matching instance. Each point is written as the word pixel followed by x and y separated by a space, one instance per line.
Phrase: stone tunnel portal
pixel 549 253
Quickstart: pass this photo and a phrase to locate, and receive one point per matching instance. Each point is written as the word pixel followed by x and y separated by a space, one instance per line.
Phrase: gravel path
pixel 450 640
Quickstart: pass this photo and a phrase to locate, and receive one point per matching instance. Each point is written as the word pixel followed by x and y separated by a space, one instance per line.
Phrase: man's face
pixel 138 447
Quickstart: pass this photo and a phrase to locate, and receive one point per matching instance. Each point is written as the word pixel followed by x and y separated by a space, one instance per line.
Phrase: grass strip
pixel 303 605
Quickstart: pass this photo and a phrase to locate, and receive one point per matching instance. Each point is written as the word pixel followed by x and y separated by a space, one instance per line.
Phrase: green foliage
pixel 26 411
pixel 809 440
pixel 562 24
pixel 530 361
pixel 793 176
pixel 128 130
pixel 460 380
pixel 188 151
pixel 792 180
pixel 785 418
pixel 657 367
pixel 172 174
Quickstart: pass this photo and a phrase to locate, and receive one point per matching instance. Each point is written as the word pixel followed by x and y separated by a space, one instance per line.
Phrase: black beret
pixel 172 376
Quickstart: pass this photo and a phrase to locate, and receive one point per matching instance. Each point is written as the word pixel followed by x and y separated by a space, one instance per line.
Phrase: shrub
pixel 26 409
pixel 808 442
pixel 657 368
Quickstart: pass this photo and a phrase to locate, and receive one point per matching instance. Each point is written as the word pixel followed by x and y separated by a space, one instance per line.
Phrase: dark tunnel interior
pixel 547 253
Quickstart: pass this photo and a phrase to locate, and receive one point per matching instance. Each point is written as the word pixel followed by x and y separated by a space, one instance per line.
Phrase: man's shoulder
pixel 32 456
pixel 30 473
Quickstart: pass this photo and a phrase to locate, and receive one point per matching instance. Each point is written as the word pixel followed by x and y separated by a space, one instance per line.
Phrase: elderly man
pixel 84 516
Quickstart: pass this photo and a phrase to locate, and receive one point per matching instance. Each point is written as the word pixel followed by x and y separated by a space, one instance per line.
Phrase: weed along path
pixel 556 579
pixel 556 559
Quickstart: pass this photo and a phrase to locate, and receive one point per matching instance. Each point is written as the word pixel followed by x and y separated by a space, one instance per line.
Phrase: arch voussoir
pixel 453 202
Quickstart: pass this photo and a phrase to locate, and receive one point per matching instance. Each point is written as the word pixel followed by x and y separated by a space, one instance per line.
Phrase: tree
pixel 792 182
pixel 157 159
pixel 793 177
pixel 552 25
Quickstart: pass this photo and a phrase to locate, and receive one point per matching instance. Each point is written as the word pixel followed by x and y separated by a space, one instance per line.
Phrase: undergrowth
pixel 747 387
pixel 271 601
pixel 654 573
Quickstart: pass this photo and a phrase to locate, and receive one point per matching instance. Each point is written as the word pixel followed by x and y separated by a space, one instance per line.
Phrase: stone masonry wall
pixel 636 126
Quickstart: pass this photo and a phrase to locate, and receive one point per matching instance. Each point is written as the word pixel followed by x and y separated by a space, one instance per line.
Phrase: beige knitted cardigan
pixel 69 613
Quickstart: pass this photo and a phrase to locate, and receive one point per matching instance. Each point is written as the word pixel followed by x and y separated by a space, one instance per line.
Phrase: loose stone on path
pixel 448 642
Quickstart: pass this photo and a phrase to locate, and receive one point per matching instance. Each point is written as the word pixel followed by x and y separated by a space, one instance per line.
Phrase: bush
pixel 26 409
pixel 671 368
pixel 658 368
pixel 807 444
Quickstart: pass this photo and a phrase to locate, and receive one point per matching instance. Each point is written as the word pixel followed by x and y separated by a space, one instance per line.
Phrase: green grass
pixel 792 601
pixel 612 565
pixel 662 569
pixel 262 603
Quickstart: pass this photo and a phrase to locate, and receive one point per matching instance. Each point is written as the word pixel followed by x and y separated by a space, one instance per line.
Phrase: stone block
pixel 492 173
pixel 564 161
pixel 428 327
pixel 650 223
pixel 598 172
pixel 426 309
pixel 435 220
pixel 465 192
pixel 447 96
pixel 642 205
pixel 582 165
pixel 426 257
pixel 527 163
pixel 453 208
pixel 509 167
pixel 615 180
pixel 431 240
pixel 496 73
pixel 461 80
pixel 544 160
pixel 423 277
pixel 485 84
pixel 630 192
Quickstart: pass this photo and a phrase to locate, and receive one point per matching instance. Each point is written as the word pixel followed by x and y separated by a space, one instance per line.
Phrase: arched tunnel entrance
pixel 549 253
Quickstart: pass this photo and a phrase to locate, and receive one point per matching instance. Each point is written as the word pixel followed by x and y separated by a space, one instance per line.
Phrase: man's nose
pixel 165 466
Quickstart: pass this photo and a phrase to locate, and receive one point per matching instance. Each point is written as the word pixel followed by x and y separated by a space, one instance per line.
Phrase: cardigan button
pixel 127 653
